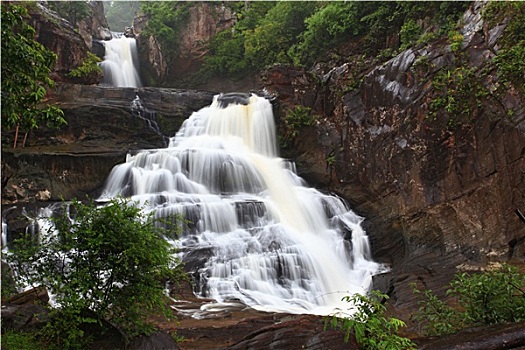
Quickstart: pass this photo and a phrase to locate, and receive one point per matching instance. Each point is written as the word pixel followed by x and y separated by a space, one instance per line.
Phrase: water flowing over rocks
pixel 436 200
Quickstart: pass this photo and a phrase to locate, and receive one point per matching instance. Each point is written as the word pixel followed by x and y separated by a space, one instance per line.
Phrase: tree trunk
pixel 16 135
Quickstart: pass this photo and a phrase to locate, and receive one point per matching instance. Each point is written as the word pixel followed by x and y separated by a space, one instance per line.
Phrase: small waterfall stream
pixel 255 233
pixel 120 62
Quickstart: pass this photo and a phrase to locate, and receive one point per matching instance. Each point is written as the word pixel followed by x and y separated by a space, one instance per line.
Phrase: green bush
pixel 88 66
pixel 510 58
pixel 367 321
pixel 269 42
pixel 296 118
pixel 21 341
pixel 73 11
pixel 165 21
pixel 490 297
pixel 110 263
pixel 458 93
pixel 409 33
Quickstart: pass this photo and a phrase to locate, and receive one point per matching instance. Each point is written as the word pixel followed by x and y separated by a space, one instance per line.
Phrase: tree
pixel 73 11
pixel 489 297
pixel 269 42
pixel 26 65
pixel 110 263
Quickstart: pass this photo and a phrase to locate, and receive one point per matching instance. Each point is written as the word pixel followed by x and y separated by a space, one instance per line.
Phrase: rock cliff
pixel 59 36
pixel 439 190
pixel 104 124
pixel 204 20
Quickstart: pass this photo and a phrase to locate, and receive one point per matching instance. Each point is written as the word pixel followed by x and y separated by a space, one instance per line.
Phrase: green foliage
pixel 458 93
pixel 296 118
pixel 269 42
pixel 73 11
pixel 262 36
pixel 495 296
pixel 510 58
pixel 26 65
pixel 490 297
pixel 300 33
pixel 456 40
pixel 165 21
pixel 7 282
pixel 372 329
pixel 327 27
pixel 89 66
pixel 21 341
pixel 120 14
pixel 435 316
pixel 409 33
pixel 109 263
pixel 227 55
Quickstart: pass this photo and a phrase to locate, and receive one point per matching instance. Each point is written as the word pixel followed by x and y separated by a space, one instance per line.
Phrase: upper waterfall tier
pixel 121 62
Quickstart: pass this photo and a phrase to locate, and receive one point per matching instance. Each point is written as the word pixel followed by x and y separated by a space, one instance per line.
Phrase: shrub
pixel 89 66
pixel 458 93
pixel 295 119
pixel 409 33
pixel 109 263
pixel 491 297
pixel 21 341
pixel 372 329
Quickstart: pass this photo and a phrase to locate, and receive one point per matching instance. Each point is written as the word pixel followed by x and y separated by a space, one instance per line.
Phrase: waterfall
pixel 255 233
pixel 120 62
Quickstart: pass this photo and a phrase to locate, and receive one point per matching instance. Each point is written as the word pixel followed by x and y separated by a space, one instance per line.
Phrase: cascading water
pixel 120 62
pixel 256 233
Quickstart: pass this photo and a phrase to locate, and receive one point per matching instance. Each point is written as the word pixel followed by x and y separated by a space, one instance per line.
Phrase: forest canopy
pixel 300 33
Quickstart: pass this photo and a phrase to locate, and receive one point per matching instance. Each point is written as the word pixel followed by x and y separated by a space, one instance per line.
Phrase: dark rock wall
pixel 59 36
pixel 425 184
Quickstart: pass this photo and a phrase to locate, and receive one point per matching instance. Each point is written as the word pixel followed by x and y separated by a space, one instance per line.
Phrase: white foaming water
pixel 256 233
pixel 120 62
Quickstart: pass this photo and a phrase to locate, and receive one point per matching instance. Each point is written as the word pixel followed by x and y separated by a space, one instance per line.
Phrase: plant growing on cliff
pixel 491 297
pixel 26 65
pixel 108 264
pixel 73 11
pixel 88 67
pixel 510 57
pixel 371 328
pixel 458 93
pixel 296 118
pixel 165 21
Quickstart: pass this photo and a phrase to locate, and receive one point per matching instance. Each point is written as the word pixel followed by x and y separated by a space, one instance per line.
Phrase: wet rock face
pixel 95 26
pixel 104 124
pixel 443 184
pixel 59 36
